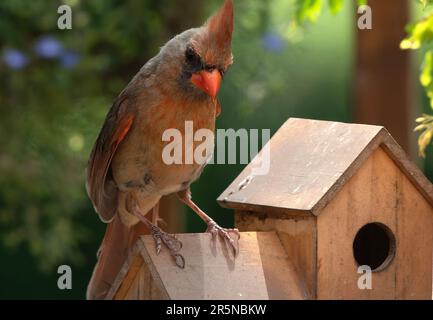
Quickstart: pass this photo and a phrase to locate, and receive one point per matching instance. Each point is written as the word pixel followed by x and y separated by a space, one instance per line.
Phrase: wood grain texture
pixel 378 192
pixel 134 281
pixel 298 237
pixel 307 157
pixel 130 277
pixel 143 287
pixel 310 162
pixel 414 253
pixel 210 272
pixel 261 271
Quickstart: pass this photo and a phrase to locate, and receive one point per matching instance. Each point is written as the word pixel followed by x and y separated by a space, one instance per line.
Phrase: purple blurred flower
pixel 48 47
pixel 273 42
pixel 69 59
pixel 15 59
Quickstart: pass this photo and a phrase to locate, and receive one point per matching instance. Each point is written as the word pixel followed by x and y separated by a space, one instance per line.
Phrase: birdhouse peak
pixel 310 161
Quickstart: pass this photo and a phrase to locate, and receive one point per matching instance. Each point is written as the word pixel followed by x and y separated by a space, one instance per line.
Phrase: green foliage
pixel 420 34
pixel 310 10
pixel 426 74
pixel 335 6
pixel 425 3
pixel 426 128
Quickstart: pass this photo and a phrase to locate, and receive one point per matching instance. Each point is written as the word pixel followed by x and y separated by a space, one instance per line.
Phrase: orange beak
pixel 208 81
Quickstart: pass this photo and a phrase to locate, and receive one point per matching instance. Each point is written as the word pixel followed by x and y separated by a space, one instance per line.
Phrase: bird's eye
pixel 191 56
pixel 210 68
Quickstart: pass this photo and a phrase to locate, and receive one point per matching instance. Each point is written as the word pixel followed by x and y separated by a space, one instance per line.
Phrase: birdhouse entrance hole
pixel 374 246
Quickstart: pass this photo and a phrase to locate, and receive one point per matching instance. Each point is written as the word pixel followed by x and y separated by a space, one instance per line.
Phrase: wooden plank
pixel 369 196
pixel 307 158
pixel 298 237
pixel 378 192
pixel 138 283
pixel 134 280
pixel 156 287
pixel 211 273
pixel 410 170
pixel 414 252
pixel 283 279
pixel 130 277
pixel 310 162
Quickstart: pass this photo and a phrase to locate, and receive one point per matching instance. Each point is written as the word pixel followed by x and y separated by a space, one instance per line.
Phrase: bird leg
pixel 212 227
pixel 156 219
pixel 170 241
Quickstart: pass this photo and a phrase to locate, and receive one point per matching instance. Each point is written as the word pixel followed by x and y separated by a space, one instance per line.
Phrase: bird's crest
pixel 213 44
pixel 220 25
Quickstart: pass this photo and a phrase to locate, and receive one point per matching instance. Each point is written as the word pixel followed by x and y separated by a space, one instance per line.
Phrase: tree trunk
pixel 382 90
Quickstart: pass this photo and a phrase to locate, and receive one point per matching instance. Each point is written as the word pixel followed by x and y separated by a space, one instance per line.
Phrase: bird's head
pixel 204 53
pixel 208 54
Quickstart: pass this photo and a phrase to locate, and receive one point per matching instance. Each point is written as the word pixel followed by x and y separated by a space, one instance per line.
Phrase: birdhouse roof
pixel 309 162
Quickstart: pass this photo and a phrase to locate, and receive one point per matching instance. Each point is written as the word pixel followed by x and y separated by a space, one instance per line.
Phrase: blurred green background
pixel 57 85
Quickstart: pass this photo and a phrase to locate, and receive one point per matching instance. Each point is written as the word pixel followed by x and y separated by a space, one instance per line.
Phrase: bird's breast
pixel 162 130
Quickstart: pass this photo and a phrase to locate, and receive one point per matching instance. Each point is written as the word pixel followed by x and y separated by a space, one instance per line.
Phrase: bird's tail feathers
pixel 113 252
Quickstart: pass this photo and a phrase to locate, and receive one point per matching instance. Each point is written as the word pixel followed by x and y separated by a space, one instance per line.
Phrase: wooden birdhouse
pixel 340 196
pixel 210 272
pixel 327 210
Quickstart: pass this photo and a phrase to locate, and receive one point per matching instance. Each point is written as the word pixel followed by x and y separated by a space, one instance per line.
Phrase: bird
pixel 126 175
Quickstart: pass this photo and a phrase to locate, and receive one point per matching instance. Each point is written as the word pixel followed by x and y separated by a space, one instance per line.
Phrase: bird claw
pixel 170 241
pixel 214 229
pixel 180 260
pixel 158 243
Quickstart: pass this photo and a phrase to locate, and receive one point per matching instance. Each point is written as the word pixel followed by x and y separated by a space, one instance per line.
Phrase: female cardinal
pixel 126 175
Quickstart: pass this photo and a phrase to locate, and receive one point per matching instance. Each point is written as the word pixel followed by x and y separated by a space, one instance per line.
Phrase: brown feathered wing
pixel 100 185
